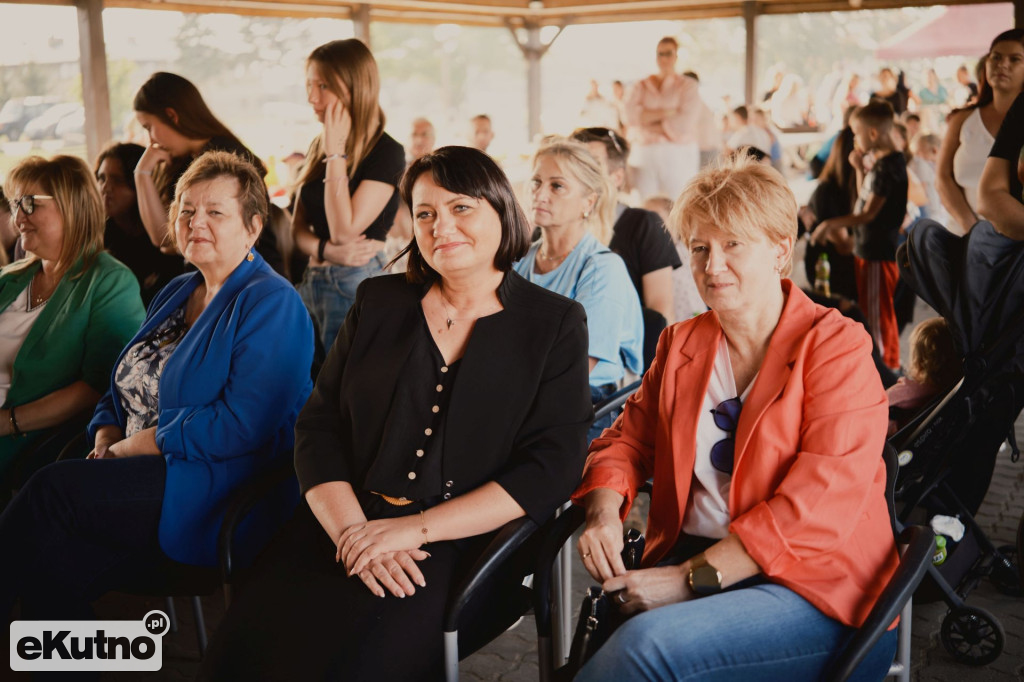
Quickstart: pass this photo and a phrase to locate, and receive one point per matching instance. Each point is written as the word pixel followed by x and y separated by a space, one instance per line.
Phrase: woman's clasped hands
pixel 383 554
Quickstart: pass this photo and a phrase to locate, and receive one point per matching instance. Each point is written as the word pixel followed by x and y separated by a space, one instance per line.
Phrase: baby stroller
pixel 947 452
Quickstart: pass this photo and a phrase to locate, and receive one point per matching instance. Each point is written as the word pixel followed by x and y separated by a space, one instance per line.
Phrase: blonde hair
pixel 934 359
pixel 740 197
pixel 575 159
pixel 71 184
pixel 351 63
pixel 252 193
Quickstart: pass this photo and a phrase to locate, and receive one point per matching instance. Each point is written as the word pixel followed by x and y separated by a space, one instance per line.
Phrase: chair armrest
pixel 509 538
pixel 554 535
pixel 615 400
pixel 241 503
pixel 914 563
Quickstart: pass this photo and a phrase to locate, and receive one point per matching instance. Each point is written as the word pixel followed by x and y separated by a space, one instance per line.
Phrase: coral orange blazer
pixel 807 496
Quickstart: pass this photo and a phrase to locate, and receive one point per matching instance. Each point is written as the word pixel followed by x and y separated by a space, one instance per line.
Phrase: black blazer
pixel 518 413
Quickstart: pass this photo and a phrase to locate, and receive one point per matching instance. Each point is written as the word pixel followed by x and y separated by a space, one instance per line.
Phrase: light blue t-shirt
pixel 597 279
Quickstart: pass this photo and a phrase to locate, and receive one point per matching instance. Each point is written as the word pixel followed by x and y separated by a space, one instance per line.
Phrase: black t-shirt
pixel 887 178
pixel 385 163
pixel 644 244
pixel 1010 146
pixel 150 266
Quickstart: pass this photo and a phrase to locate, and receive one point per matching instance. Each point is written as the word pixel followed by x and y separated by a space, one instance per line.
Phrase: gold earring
pixel 249 257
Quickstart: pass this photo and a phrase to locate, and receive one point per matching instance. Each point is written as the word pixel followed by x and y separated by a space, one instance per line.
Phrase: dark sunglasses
pixel 726 416
pixel 27 203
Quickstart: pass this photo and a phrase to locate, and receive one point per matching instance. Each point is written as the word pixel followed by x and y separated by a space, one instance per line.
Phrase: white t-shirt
pixel 707 509
pixel 15 323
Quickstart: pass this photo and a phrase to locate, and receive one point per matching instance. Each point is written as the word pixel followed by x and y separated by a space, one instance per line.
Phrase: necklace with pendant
pixel 449 319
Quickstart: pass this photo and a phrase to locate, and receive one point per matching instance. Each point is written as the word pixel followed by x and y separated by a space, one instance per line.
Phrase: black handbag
pixel 598 618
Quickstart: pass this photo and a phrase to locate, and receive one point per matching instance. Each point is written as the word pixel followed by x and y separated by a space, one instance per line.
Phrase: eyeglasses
pixel 726 416
pixel 27 203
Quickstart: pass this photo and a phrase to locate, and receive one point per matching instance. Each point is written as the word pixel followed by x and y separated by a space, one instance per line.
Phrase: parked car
pixel 44 126
pixel 18 111
pixel 71 128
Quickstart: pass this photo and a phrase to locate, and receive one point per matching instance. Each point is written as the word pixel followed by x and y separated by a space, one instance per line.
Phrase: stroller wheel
pixel 1006 572
pixel 972 636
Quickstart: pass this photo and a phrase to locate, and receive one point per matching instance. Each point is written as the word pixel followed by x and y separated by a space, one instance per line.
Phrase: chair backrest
pixel 615 400
pixel 654 325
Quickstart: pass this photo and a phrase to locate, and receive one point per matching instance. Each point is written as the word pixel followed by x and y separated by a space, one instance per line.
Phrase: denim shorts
pixel 330 290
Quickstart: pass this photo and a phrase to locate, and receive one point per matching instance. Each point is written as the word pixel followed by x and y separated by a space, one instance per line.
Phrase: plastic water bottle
pixel 822 273
pixel 940 550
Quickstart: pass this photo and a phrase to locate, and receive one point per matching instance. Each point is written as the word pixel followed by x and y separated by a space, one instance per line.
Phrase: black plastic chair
pixel 654 325
pixel 48 448
pixel 918 546
pixel 616 400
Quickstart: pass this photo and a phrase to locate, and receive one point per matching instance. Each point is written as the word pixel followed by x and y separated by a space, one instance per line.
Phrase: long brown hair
pixel 195 121
pixel 838 170
pixel 70 182
pixel 351 63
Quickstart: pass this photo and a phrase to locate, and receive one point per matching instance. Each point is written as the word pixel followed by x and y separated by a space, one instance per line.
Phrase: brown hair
pixel 70 182
pixel 165 91
pixel 740 197
pixel 838 170
pixel 615 144
pixel 349 63
pixel 934 359
pixel 252 193
pixel 877 114
pixel 468 171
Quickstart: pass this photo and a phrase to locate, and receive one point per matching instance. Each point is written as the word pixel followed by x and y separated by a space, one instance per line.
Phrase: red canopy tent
pixel 962 30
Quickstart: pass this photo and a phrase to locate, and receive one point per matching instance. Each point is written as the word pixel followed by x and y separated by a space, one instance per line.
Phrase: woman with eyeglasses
pixel 762 424
pixel 65 311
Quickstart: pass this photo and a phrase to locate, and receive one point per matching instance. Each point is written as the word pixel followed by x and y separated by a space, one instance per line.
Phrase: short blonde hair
pixel 574 158
pixel 252 192
pixel 934 359
pixel 740 197
pixel 71 184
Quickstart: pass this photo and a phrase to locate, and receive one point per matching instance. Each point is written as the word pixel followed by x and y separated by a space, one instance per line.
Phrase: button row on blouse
pixel 428 432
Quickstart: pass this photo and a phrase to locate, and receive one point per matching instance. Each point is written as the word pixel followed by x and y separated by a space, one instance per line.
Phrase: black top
pixel 897 98
pixel 385 163
pixel 517 413
pixel 829 200
pixel 152 268
pixel 1010 146
pixel 642 241
pixel 888 178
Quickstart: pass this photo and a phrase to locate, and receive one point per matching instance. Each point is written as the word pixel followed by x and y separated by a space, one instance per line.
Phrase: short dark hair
pixel 742 112
pixel 468 171
pixel 615 144
pixel 877 114
pixel 692 74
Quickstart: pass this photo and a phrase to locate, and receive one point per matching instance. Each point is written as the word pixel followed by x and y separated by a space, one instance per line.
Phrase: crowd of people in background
pixel 430 353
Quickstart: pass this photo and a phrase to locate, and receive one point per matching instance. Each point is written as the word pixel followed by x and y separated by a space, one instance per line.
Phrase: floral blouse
pixel 138 375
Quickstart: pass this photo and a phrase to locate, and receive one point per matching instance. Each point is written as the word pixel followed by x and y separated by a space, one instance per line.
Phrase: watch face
pixel 706 580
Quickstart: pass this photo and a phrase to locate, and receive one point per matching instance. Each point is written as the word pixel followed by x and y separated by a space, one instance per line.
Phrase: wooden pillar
pixel 1018 13
pixel 93 64
pixel 750 13
pixel 361 22
pixel 532 51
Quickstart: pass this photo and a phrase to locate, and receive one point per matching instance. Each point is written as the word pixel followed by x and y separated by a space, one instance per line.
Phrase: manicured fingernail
pixel 421 583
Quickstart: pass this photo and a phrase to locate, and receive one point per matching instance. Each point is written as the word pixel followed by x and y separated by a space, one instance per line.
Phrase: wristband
pixel 320 249
pixel 143 172
pixel 15 429
pixel 332 157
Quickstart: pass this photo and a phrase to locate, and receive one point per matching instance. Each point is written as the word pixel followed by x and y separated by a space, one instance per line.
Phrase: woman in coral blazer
pixel 762 423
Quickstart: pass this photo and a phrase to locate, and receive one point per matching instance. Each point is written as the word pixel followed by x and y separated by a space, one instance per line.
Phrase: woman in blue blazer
pixel 212 382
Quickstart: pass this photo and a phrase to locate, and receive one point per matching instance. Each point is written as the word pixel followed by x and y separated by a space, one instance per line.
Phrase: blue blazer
pixel 229 396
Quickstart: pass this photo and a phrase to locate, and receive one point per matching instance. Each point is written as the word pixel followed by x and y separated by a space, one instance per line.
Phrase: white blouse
pixel 15 323
pixel 969 160
pixel 707 508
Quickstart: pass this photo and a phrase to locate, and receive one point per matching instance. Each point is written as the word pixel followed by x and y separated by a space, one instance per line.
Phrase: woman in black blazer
pixel 454 400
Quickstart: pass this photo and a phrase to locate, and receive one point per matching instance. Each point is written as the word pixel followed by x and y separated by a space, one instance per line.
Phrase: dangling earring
pixel 249 256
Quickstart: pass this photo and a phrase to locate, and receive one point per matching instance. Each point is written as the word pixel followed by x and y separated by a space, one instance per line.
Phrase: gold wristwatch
pixel 704 579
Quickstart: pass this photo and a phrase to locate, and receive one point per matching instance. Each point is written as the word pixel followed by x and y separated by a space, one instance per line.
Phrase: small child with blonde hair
pixel 935 365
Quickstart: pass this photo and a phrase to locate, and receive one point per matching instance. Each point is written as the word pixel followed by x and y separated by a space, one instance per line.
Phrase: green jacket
pixel 77 336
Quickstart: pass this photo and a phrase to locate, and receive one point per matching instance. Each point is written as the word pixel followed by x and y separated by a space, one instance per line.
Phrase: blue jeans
pixel 597 395
pixel 329 291
pixel 763 632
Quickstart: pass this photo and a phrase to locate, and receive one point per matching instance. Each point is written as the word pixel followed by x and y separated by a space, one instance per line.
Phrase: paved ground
pixel 513 656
